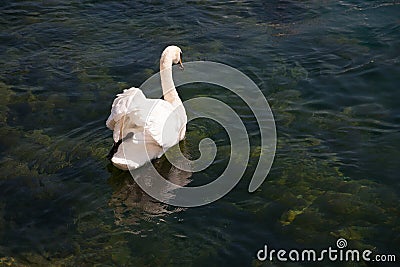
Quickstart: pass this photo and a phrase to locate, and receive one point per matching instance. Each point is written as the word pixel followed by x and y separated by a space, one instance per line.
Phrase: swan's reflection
pixel 131 204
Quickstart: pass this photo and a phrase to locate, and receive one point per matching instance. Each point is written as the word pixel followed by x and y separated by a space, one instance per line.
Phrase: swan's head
pixel 172 53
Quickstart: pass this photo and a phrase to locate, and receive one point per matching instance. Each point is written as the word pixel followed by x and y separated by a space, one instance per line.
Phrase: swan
pixel 147 127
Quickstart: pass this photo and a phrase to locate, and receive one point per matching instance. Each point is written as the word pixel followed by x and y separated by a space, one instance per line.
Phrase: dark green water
pixel 329 69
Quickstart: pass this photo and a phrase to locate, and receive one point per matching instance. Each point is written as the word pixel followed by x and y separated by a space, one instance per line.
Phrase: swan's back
pixel 155 122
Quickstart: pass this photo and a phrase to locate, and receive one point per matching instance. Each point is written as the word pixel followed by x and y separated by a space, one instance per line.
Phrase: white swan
pixel 147 127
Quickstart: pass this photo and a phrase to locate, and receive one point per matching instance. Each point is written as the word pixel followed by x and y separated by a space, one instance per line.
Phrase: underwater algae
pixel 313 198
pixel 319 202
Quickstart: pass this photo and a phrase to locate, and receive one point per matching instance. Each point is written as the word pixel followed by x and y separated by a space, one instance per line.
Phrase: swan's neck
pixel 167 83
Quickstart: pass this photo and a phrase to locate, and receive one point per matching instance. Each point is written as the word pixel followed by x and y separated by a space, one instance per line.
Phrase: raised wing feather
pixel 125 112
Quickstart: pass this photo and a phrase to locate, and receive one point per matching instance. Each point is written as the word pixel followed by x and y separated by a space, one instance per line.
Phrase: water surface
pixel 329 69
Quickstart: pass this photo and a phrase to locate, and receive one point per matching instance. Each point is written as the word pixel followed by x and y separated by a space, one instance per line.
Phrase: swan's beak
pixel 180 64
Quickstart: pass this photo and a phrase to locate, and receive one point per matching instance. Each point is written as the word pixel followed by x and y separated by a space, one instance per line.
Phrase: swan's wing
pixel 164 122
pixel 125 111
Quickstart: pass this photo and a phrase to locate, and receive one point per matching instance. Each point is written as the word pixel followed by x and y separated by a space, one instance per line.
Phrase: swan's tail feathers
pixel 127 111
pixel 126 102
pixel 114 149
